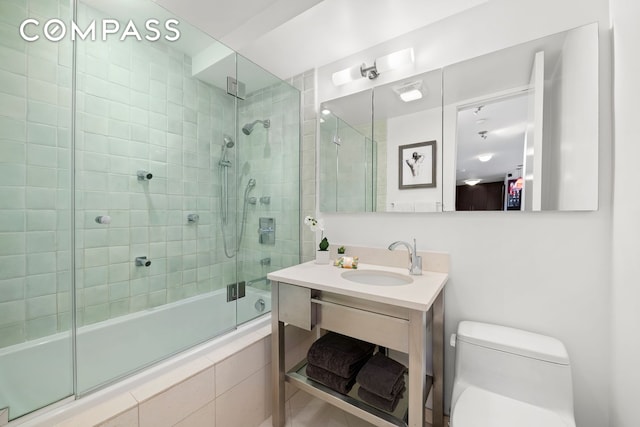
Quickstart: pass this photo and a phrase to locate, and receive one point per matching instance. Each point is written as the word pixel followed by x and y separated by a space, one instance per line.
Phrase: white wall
pixel 559 284
pixel 417 127
pixel 625 411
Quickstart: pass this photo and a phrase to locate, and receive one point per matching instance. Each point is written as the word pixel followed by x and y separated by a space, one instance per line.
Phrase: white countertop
pixel 418 295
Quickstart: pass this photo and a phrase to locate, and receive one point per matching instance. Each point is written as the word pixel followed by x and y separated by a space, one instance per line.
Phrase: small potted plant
pixel 341 250
pixel 322 254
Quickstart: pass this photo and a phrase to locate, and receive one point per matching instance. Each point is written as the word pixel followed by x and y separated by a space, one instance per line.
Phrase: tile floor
pixel 304 410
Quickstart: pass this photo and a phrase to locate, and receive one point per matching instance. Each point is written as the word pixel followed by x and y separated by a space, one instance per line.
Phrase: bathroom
pixel 565 274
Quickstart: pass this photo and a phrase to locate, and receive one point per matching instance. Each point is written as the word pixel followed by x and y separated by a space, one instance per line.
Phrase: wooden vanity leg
pixel 417 367
pixel 438 360
pixel 277 360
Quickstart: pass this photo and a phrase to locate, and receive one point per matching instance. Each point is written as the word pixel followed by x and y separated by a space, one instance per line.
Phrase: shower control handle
pixel 144 175
pixel 267 231
pixel 142 261
pixel 103 219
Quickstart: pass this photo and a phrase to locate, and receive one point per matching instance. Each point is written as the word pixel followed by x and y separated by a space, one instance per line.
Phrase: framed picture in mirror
pixel 417 165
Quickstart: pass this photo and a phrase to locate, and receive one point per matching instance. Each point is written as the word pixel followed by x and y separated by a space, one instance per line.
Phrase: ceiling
pixel 288 37
pixel 505 122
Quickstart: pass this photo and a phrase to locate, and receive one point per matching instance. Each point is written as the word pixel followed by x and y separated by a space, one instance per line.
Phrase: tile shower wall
pixel 306 84
pixel 271 157
pixel 140 108
pixel 35 181
pixel 346 174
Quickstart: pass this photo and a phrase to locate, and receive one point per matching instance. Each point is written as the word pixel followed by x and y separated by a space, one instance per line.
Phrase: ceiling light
pixel 485 157
pixel 472 181
pixel 409 91
pixel 411 95
pixel 383 64
pixel 325 111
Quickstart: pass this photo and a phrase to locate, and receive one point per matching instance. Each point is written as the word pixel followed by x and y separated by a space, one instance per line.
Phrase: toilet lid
pixel 481 408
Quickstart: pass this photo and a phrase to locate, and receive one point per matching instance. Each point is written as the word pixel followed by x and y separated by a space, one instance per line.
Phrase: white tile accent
pixel 169 407
pixel 204 417
pixel 108 410
pixel 240 366
pixel 248 403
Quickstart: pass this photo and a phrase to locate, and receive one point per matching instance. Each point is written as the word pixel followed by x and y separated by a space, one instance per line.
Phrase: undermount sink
pixel 377 277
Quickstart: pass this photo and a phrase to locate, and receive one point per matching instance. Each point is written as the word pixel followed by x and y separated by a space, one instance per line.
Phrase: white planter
pixel 322 257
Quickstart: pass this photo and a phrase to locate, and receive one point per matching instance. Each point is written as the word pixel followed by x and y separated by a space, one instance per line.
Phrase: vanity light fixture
pixel 347 75
pixel 478 109
pixel 472 182
pixel 485 157
pixel 409 91
pixel 483 134
pixel 383 64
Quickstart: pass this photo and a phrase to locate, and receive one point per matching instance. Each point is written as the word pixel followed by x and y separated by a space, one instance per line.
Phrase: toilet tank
pixel 522 365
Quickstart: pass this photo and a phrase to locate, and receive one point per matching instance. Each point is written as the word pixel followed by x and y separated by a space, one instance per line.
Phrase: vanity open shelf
pixel 351 402
pixel 317 297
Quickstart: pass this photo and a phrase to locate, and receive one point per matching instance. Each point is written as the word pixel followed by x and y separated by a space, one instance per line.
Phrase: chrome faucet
pixel 415 261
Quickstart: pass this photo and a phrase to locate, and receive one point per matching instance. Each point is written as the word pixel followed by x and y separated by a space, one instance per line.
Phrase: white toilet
pixel 506 377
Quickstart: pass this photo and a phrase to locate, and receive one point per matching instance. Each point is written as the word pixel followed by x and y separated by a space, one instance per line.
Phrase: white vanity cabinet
pixel 393 316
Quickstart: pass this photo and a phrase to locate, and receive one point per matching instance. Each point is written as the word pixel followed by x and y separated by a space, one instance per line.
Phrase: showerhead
pixel 248 128
pixel 228 142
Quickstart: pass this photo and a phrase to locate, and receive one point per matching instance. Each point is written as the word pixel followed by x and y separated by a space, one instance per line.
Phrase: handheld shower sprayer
pixel 227 143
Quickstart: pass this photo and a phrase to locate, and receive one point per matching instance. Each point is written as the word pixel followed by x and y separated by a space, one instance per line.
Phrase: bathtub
pixel 36 373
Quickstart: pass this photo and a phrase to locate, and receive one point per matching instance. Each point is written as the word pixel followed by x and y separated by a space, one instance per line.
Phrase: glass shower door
pixel 35 212
pixel 268 200
pixel 151 121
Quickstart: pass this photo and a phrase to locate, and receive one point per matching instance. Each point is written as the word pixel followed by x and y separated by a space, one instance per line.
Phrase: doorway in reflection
pixel 490 158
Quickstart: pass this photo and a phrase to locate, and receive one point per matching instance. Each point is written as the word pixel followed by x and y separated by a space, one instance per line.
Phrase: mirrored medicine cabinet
pixel 512 130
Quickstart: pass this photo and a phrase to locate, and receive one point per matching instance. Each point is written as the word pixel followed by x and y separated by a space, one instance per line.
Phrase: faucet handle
pixel 416 260
pixel 416 265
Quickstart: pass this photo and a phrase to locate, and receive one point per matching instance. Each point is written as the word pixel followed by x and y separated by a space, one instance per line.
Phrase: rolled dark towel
pixel 382 376
pixel 331 380
pixel 339 354
pixel 380 402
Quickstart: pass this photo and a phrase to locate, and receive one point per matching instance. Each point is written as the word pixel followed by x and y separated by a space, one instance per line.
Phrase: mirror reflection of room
pixel 521 126
pixel 490 167
pixel 515 130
